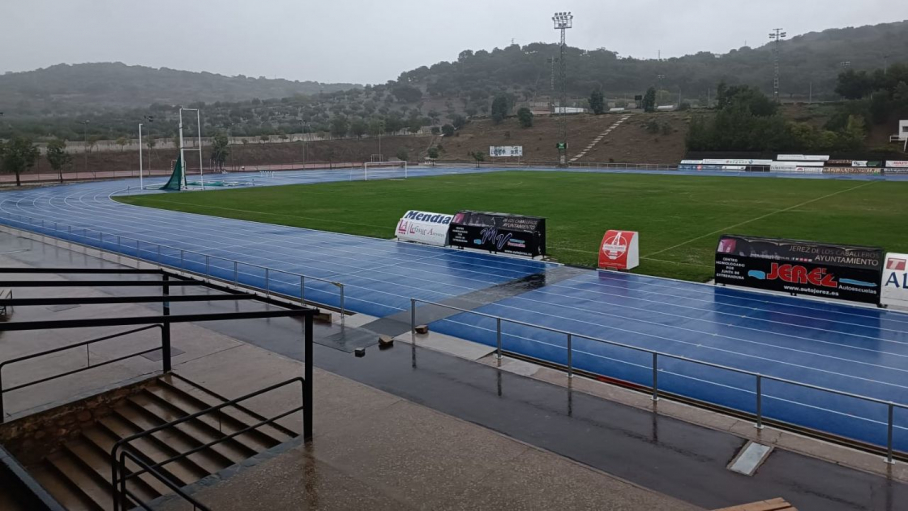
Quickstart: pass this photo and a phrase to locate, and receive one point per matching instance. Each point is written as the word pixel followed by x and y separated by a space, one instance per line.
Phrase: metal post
pixel 498 337
pixel 759 402
pixel 267 283
pixel 236 273
pixel 889 436
pixel 307 382
pixel 2 415
pixel 207 266
pixel 343 308
pixel 655 376
pixel 198 115
pixel 569 357
pixel 165 332
pixel 118 245
pixel 302 290
pixel 159 255
pixel 181 259
pixel 141 186
pixel 413 320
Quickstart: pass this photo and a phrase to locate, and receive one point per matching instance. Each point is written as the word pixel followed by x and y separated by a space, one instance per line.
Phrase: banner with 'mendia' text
pixel 842 272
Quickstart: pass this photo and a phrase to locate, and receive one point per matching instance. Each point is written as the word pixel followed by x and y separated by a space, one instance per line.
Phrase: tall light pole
pixel 777 36
pixel 563 21
pixel 147 119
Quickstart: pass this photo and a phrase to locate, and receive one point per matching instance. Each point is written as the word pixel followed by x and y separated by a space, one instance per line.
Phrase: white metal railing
pixel 570 336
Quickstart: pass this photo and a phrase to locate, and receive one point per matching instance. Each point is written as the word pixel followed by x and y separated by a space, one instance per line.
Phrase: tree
pixel 150 142
pixel 57 156
pixel 220 150
pixel 406 93
pixel 649 100
pixel 853 84
pixel 121 141
pixel 19 155
pixel 402 154
pixel 478 156
pixel 92 142
pixel 597 102
pixel 358 128
pixel 525 116
pixel 501 106
pixel 432 152
pixel 447 130
pixel 459 121
pixel 339 126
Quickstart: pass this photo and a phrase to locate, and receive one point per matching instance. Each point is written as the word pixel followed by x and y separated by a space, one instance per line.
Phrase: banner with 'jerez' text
pixel 841 272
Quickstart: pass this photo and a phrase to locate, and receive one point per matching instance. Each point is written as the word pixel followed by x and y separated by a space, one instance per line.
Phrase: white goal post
pixel 385 170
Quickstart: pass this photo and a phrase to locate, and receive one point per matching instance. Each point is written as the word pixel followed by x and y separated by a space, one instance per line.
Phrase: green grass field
pixel 679 217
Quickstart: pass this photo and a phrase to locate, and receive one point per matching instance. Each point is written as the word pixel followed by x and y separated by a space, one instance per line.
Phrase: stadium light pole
pixel 563 21
pixel 776 36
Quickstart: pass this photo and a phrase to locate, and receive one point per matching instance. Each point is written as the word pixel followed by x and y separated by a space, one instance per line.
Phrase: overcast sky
pixel 372 41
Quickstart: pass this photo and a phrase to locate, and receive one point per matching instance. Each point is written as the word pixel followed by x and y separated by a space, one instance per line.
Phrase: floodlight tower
pixel 563 21
pixel 776 36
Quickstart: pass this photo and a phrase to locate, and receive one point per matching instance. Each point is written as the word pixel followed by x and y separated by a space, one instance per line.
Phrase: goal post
pixel 385 170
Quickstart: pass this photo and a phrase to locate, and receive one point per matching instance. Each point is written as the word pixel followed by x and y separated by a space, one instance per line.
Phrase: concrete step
pixel 195 433
pixel 127 422
pixel 233 418
pixel 78 473
pixel 102 441
pixel 61 487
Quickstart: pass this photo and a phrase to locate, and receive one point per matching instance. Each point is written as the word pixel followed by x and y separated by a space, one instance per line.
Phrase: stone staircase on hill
pixel 78 473
pixel 599 138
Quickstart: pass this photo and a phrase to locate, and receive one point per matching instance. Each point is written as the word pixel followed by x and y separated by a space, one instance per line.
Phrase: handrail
pixel 656 354
pixel 159 260
pixel 119 477
pixel 74 371
pixel 196 505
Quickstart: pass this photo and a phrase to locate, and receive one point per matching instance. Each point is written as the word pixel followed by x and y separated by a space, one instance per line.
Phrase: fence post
pixel 343 308
pixel 570 358
pixel 413 321
pixel 655 376
pixel 267 283
pixel 759 402
pixel 207 266
pixel 889 436
pixel 181 258
pixel 302 290
pixel 165 332
pixel 159 255
pixel 236 273
pixel 498 337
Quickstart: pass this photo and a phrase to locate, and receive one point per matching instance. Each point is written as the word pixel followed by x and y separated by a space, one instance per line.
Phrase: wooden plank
pixel 777 504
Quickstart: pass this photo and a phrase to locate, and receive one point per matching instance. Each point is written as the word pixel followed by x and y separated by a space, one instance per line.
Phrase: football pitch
pixel 679 217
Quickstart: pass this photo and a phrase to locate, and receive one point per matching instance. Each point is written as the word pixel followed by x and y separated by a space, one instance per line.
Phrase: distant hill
pixel 66 89
pixel 812 59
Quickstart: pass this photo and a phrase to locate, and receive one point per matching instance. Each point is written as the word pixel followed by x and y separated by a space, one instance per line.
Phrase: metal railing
pixel 88 364
pixel 656 355
pixel 120 473
pixel 150 469
pixel 4 310
pixel 191 261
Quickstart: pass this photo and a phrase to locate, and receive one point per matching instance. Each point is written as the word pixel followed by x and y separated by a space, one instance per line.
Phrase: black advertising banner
pixel 842 272
pixel 498 232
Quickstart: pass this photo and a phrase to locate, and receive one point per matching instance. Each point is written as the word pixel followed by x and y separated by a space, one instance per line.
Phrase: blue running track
pixel 852 349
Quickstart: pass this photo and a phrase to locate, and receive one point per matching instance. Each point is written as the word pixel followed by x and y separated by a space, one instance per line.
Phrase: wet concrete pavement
pixel 673 457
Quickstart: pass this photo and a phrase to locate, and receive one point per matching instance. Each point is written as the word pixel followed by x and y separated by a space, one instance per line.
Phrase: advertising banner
pixel 841 272
pixel 850 170
pixel 897 163
pixel 505 151
pixel 736 162
pixel 802 157
pixel 619 250
pixel 895 280
pixel 498 232
pixel 424 227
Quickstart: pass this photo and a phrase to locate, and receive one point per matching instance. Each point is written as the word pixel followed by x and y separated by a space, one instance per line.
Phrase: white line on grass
pixel 726 229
